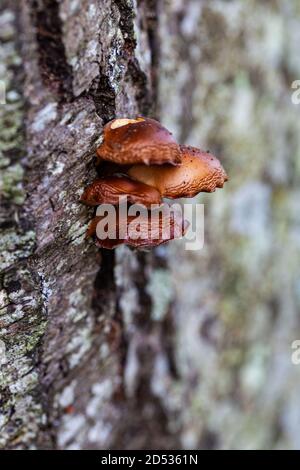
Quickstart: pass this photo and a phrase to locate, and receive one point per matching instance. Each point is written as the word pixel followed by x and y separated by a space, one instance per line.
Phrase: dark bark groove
pixel 55 71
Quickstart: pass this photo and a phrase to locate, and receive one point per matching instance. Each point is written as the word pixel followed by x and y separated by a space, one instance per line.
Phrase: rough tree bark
pixel 82 348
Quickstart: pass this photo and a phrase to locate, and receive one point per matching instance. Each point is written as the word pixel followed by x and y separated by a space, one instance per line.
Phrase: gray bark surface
pixel 76 323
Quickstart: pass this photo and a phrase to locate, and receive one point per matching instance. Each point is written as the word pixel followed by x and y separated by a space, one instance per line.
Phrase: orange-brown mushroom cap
pixel 141 140
pixel 112 189
pixel 199 172
pixel 154 228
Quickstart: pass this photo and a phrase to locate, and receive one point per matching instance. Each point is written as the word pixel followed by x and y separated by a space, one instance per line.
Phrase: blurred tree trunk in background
pixel 171 348
pixel 238 300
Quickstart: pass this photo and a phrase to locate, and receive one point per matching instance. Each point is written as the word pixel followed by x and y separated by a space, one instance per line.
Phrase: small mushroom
pixel 143 231
pixel 141 140
pixel 112 189
pixel 139 160
pixel 199 172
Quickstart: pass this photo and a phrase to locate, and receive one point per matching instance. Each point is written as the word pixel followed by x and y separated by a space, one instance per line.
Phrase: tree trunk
pixel 81 349
pixel 104 350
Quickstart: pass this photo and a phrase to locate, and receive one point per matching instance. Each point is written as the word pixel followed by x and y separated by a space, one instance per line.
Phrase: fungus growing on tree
pixel 140 161
pixel 112 189
pixel 141 140
pixel 199 172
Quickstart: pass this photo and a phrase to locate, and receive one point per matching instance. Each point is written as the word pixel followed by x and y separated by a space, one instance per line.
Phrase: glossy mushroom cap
pixel 144 231
pixel 141 140
pixel 112 189
pixel 199 172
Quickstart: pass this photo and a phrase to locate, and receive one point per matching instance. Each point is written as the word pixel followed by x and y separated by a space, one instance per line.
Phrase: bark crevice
pixel 54 68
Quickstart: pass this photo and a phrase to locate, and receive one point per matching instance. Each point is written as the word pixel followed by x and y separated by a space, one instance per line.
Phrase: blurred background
pixel 226 73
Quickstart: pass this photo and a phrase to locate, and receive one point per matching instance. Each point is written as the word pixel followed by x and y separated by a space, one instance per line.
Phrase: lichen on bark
pixel 79 337
pixel 22 313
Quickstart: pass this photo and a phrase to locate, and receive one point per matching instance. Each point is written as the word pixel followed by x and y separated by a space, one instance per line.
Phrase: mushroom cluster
pixel 140 162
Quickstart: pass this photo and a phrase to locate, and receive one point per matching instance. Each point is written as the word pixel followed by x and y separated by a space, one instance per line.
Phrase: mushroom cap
pixel 199 172
pixel 111 189
pixel 154 229
pixel 141 140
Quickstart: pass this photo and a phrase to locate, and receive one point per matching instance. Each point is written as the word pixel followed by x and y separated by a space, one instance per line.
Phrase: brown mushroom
pixel 141 140
pixel 108 243
pixel 112 189
pixel 144 231
pixel 199 172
